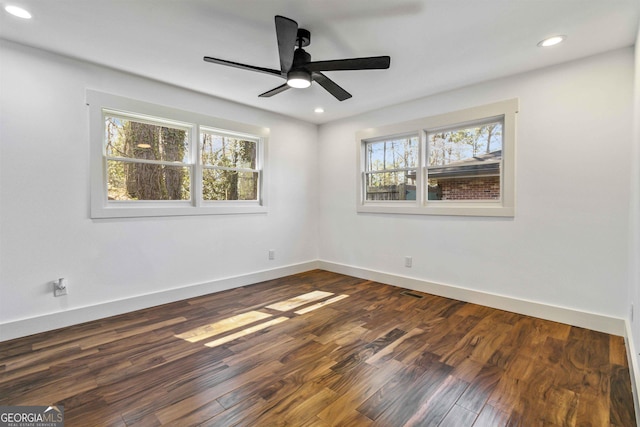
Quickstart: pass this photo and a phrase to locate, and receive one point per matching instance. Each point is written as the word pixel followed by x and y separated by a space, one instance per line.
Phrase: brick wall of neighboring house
pixel 476 188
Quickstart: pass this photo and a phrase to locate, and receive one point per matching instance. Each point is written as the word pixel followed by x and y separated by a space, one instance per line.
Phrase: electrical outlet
pixel 408 261
pixel 272 254
pixel 631 313
pixel 60 287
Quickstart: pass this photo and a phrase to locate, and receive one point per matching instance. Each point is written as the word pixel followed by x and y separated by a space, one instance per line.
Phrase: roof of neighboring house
pixel 484 164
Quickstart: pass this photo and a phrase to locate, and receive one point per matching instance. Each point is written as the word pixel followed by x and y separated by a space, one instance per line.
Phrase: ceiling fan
pixel 296 65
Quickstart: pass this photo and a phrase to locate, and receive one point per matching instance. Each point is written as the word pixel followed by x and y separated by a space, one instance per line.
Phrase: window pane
pixel 391 185
pixel 225 151
pixel 393 154
pixel 143 181
pixel 465 163
pixel 229 185
pixel 132 139
pixel 473 188
pixel 461 144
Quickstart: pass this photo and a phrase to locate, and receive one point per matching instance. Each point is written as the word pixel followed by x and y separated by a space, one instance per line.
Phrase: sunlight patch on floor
pixel 207 331
pixel 320 304
pixel 235 322
pixel 246 331
pixel 303 299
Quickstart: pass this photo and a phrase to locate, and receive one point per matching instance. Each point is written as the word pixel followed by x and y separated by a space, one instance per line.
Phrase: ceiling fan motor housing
pixel 300 58
pixel 303 38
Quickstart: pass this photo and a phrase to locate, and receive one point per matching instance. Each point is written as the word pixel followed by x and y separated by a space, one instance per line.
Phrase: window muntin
pixel 465 163
pixel 391 168
pixel 230 166
pixel 146 160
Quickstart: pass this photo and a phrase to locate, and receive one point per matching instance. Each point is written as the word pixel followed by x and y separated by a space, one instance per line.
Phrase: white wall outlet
pixel 60 287
pixel 408 261
pixel 272 254
pixel 631 314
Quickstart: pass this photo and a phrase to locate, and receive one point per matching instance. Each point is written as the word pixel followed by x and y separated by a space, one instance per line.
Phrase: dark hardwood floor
pixel 322 349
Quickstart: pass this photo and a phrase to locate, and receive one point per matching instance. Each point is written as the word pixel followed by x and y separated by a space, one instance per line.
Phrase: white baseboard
pixel 597 322
pixel 593 321
pixel 34 325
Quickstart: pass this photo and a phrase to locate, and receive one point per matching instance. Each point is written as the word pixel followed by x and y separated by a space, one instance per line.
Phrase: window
pixel 464 163
pixel 391 169
pixel 146 160
pixel 229 166
pixel 150 160
pixel 459 163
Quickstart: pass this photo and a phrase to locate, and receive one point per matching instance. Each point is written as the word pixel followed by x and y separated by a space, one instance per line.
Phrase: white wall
pixel 45 227
pixel 568 243
pixel 634 218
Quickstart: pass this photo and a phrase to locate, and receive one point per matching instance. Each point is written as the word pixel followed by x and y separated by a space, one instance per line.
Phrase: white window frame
pixel 505 207
pixel 222 132
pixel 366 171
pixel 102 104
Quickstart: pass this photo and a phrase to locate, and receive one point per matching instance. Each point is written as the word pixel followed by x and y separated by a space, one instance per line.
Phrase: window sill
pixel 137 211
pixel 446 208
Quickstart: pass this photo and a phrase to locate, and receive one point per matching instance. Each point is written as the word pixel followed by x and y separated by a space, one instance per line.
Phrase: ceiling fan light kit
pixel 296 66
pixel 299 79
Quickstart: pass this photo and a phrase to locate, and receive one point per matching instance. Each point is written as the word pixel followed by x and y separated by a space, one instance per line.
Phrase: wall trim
pixel 49 322
pixel 593 321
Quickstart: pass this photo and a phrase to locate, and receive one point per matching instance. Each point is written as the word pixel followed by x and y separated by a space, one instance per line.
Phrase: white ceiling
pixel 435 45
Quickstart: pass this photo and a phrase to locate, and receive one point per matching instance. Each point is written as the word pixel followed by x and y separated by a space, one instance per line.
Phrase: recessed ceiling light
pixel 319 110
pixel 18 11
pixel 552 41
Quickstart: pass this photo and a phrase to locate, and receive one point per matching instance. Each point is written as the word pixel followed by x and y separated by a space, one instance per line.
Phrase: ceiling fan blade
pixel 275 91
pixel 331 86
pixel 286 32
pixel 242 66
pixel 368 63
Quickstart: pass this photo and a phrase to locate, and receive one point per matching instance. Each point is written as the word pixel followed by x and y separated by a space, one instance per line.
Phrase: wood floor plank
pixel 343 352
pixel 458 417
pixel 480 343
pixel 617 351
pixel 592 411
pixel 242 414
pixel 410 386
pixel 436 407
pixel 387 353
pixel 621 412
pixel 355 358
pixel 480 388
pixel 415 396
pixel 354 388
pixel 492 417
